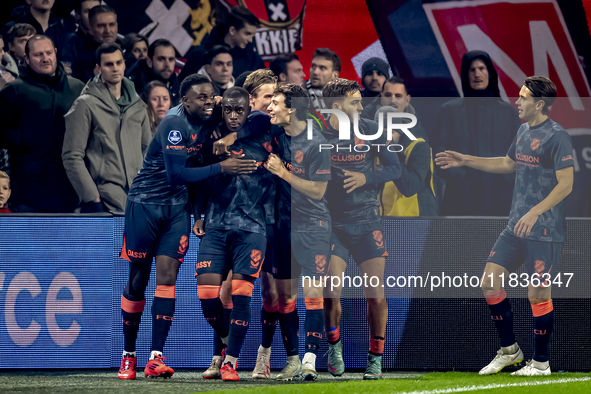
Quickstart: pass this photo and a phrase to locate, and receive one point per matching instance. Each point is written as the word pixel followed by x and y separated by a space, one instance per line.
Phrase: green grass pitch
pixel 102 381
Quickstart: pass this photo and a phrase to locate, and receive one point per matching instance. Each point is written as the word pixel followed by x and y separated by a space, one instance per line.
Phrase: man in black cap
pixel 375 72
pixel 480 124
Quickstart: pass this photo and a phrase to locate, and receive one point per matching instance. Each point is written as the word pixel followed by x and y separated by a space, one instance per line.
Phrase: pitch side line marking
pixel 496 386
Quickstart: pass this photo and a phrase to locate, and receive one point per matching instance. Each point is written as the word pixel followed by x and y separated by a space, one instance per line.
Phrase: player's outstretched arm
pixel 312 189
pixel 497 165
pixel 565 178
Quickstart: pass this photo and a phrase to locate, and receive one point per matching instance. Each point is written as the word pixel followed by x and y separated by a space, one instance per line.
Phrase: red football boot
pixel 229 373
pixel 157 369
pixel 127 369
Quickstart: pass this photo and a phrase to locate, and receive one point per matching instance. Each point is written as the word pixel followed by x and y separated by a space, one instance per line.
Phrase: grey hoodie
pixel 104 145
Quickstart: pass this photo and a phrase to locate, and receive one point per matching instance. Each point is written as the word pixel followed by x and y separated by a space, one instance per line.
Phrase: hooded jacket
pixel 243 59
pixel 140 74
pixel 216 87
pixel 104 145
pixel 32 110
pixel 480 124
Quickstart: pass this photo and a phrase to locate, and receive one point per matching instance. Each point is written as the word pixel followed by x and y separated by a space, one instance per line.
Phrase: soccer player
pixel 302 231
pixel 157 221
pixel 357 228
pixel 541 156
pixel 234 233
pixel 260 85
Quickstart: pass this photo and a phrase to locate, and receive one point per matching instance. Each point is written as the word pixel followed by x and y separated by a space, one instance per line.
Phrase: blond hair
pixel 257 79
pixel 4 175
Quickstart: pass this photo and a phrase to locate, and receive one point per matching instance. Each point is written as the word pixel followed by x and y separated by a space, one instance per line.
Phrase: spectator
pixel 17 37
pixel 480 124
pixel 326 66
pixel 157 96
pixel 288 69
pixel 8 67
pixel 82 13
pixel 107 134
pixel 37 13
pixel 237 32
pixel 394 94
pixel 135 47
pixel 4 192
pixel 158 66
pixel 260 85
pixel 413 194
pixel 32 129
pixel 375 72
pixel 74 40
pixel 218 67
pixel 102 20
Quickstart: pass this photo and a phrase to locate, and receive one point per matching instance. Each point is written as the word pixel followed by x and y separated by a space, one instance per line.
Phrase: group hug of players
pixel 275 207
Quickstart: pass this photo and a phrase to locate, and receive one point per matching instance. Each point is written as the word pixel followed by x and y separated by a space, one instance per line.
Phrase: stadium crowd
pixel 79 112
pixel 49 175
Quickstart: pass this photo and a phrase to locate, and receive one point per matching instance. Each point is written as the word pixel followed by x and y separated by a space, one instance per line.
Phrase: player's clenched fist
pixel 275 165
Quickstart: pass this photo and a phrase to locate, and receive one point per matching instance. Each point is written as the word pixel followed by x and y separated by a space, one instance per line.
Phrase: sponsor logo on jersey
pixel 174 137
pixel 294 170
pixel 360 158
pixel 203 264
pixel 566 158
pixel 527 158
pixel 136 255
pixel 195 148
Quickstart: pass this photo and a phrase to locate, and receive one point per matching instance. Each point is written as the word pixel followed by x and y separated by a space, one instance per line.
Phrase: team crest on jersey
pixel 174 137
pixel 359 141
pixel 298 156
pixel 535 144
pixel 539 266
pixel 268 146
